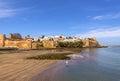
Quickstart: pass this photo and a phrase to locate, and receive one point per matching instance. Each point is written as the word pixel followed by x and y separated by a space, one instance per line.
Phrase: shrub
pixel 51 57
pixel 76 44
pixel 61 44
pixel 39 45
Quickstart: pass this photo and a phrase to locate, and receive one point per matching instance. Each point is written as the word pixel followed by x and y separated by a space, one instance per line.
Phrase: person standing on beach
pixel 66 62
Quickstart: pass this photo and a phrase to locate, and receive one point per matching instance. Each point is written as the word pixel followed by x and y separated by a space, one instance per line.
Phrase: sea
pixel 91 64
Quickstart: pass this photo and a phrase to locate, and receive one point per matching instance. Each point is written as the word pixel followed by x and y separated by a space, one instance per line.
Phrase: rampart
pixel 4 42
pixel 49 44
pixel 28 44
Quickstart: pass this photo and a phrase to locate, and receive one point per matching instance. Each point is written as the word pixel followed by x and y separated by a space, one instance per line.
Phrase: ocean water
pixel 94 64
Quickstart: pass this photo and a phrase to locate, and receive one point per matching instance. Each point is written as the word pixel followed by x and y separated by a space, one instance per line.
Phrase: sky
pixel 84 18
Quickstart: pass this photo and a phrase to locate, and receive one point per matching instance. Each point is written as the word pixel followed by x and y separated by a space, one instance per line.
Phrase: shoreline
pixel 50 71
pixel 46 72
pixel 15 67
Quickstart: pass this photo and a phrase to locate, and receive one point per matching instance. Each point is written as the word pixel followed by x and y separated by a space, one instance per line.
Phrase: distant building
pixel 47 41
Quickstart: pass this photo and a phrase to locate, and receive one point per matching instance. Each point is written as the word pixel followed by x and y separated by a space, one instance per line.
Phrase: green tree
pixel 61 44
pixel 76 44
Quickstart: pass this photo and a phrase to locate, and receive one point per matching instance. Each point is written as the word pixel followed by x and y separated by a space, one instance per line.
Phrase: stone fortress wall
pixel 2 40
pixel 8 42
pixel 28 44
pixel 90 42
pixel 49 44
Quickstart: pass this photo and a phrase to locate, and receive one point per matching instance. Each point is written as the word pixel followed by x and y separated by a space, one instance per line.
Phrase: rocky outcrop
pixel 90 42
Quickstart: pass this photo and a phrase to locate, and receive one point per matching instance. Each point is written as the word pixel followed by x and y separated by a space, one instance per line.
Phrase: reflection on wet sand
pixel 15 67
pixel 52 72
pixel 88 65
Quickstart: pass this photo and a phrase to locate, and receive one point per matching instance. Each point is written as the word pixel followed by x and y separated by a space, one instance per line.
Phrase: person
pixel 66 62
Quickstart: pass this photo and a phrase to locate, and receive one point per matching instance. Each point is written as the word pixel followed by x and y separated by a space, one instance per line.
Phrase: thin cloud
pixel 101 33
pixel 109 16
pixel 7 10
pixel 7 13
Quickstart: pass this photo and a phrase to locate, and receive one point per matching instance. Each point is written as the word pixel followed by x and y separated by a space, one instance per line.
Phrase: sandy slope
pixel 14 66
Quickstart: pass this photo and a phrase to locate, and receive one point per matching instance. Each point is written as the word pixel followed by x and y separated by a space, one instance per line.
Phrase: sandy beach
pixel 15 66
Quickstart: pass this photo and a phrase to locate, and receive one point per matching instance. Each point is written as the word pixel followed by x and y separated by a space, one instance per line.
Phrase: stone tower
pixel 2 40
pixel 10 36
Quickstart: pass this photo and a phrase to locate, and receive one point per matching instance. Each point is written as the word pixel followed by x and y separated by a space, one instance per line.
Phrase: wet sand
pixel 15 66
pixel 49 73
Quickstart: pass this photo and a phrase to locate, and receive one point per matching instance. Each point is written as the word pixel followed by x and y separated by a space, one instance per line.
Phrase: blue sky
pixel 85 18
